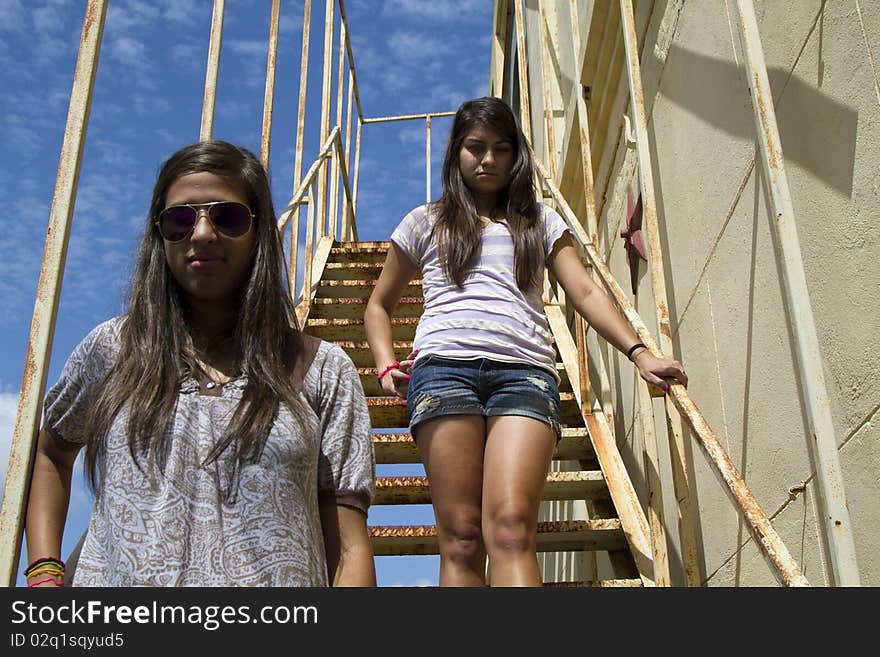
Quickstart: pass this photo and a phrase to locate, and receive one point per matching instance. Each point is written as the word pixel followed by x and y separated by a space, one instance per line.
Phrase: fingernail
pixel 665 387
pixel 407 377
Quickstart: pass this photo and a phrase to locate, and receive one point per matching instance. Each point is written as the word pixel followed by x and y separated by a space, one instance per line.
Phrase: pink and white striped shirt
pixel 491 317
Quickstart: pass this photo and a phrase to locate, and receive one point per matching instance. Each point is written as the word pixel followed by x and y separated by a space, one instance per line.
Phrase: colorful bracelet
pixel 43 560
pixel 52 572
pixel 395 365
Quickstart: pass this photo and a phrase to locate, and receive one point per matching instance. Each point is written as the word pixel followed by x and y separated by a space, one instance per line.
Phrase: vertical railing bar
pixel 348 221
pixel 340 88
pixel 545 88
pixel 654 485
pixel 836 519
pixel 357 163
pixel 311 220
pixel 428 159
pixel 589 198
pixel 351 66
pixel 212 70
pixel 300 130
pixel 524 110
pixel 324 177
pixel 269 95
pixel 36 364
pixel 303 86
pixel 682 477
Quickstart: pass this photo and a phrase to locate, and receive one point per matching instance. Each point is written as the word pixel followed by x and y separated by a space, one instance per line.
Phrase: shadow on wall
pixel 818 132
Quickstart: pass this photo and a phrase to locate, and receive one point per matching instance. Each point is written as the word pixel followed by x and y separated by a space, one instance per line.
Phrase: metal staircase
pixel 336 315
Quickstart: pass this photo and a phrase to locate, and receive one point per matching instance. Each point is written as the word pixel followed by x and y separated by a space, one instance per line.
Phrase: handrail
pixel 36 366
pixel 783 566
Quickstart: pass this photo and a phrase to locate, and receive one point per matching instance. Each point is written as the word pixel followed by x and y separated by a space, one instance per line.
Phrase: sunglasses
pixel 230 218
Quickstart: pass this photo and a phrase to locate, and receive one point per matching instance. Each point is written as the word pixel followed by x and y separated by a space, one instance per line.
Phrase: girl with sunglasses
pixel 224 447
pixel 483 397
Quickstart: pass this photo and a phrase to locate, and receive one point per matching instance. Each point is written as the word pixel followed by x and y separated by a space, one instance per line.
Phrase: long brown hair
pixel 458 224
pixel 156 346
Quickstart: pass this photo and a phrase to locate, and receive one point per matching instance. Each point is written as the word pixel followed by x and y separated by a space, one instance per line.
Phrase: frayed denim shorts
pixel 446 386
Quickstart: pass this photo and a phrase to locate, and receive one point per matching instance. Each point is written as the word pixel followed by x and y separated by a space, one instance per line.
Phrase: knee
pixel 511 529
pixel 462 537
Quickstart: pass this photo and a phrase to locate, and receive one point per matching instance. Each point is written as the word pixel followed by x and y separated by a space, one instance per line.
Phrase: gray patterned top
pixel 179 529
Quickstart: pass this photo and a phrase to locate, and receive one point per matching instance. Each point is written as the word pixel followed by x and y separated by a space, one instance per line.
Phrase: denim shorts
pixel 446 386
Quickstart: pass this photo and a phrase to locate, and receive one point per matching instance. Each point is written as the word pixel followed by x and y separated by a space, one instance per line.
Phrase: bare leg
pixel 452 451
pixel 518 453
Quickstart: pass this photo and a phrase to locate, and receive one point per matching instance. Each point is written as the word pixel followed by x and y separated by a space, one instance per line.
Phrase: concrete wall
pixel 722 269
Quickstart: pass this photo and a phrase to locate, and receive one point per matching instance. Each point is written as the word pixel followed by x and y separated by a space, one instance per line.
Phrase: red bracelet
pixel 393 366
pixel 43 581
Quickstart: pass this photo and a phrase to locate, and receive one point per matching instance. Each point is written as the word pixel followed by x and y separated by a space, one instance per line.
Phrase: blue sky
pixel 412 56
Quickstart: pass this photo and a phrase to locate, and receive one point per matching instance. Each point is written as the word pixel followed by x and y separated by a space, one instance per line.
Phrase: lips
pixel 204 261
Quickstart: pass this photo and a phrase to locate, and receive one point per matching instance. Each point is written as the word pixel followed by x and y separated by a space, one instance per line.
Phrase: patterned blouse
pixel 181 528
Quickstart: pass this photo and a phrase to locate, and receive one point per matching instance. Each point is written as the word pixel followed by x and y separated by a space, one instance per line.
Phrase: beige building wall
pixel 724 280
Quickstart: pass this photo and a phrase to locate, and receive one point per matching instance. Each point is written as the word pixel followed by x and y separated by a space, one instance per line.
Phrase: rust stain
pixel 380 402
pixel 392 438
pixel 772 154
pixel 410 531
pixel 401 482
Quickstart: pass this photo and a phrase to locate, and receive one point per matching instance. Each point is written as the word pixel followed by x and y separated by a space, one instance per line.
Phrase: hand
pixel 396 380
pixel 652 369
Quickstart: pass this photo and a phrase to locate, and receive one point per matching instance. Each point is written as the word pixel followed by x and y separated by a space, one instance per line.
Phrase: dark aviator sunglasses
pixel 232 219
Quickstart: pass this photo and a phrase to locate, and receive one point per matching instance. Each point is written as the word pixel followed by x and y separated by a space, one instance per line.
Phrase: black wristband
pixel 637 345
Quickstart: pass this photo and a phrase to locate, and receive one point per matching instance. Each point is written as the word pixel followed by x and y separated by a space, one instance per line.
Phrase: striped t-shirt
pixel 491 317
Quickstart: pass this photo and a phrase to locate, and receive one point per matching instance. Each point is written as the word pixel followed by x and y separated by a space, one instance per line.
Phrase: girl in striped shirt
pixel 482 387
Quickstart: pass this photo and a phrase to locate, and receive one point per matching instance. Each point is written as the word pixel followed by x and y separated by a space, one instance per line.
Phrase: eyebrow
pixel 477 140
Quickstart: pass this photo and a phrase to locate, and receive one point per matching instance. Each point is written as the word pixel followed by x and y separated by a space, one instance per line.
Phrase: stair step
pixel 357 287
pixel 354 307
pixel 569 485
pixel 562 535
pixel 352 329
pixel 372 388
pixel 360 354
pixel 387 412
pixel 604 583
pixel 360 252
pixel 392 448
pixel 349 270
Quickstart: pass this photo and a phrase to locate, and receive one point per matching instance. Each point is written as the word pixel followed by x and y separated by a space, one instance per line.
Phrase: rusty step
pixel 349 270
pixel 360 354
pixel 360 252
pixel 567 485
pixel 399 447
pixel 335 330
pixel 388 412
pixel 554 536
pixel 604 583
pixel 357 287
pixel 373 389
pixel 354 307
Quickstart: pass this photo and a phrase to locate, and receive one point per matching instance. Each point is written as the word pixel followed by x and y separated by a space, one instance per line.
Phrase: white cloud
pixel 433 10
pixel 128 50
pixel 11 13
pixel 8 410
pixel 420 582
pixel 188 55
pixel 248 47
pixel 409 45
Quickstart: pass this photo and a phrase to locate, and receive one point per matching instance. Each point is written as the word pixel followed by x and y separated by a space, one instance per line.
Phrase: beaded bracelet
pixel 393 366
